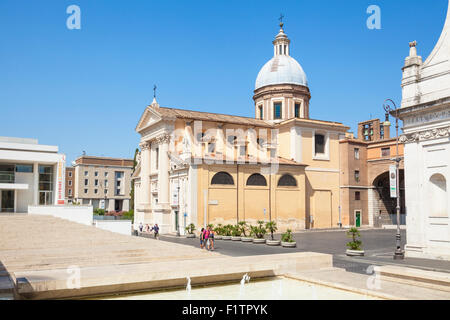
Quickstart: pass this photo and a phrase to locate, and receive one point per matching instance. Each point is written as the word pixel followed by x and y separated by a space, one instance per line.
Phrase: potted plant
pixel 244 230
pixel 218 232
pixel 236 233
pixel 258 232
pixel 227 232
pixel 287 240
pixel 271 226
pixel 355 246
pixel 190 231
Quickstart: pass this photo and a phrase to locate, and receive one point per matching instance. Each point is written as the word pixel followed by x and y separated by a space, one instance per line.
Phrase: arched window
pixel 256 180
pixel 438 196
pixel 287 181
pixel 222 178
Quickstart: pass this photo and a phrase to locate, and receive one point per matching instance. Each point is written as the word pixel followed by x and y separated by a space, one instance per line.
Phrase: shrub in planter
pixel 218 232
pixel 258 232
pixel 245 232
pixel 354 246
pixel 287 240
pixel 190 230
pixel 271 226
pixel 227 232
pixel 236 233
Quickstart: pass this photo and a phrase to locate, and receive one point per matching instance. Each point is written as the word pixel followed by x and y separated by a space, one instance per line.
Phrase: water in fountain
pixel 245 278
pixel 188 286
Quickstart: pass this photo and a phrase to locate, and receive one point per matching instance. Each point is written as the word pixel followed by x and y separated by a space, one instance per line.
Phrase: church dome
pixel 282 68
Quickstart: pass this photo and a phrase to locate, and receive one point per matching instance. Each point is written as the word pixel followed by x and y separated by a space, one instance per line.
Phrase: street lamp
pixel 398 254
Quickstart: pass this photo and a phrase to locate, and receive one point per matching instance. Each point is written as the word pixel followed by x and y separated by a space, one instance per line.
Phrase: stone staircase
pixel 33 243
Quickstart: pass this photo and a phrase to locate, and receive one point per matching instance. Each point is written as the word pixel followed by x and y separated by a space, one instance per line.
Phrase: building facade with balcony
pixel 102 182
pixel 30 174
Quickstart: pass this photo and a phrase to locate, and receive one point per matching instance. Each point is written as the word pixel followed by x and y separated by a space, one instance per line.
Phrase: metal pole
pixel 398 255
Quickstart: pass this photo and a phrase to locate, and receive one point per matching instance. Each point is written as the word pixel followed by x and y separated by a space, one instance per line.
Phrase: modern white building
pixel 425 112
pixel 30 174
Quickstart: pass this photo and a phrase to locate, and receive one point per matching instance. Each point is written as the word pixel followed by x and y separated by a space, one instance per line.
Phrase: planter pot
pixel 259 241
pixel 246 239
pixel 216 237
pixel 273 242
pixel 289 244
pixel 226 237
pixel 190 235
pixel 235 238
pixel 355 253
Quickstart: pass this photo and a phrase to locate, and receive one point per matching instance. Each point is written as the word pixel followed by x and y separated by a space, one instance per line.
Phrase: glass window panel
pixel 319 141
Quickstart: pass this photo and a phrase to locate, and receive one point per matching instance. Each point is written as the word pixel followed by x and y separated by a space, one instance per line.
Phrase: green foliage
pixel 190 228
pixel 129 215
pixel 271 226
pixel 236 230
pixel 227 230
pixel 99 212
pixel 219 229
pixel 355 244
pixel 210 226
pixel 287 237
pixel 243 227
pixel 258 231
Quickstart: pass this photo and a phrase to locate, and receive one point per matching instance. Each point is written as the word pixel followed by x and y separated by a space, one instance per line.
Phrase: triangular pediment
pixel 148 118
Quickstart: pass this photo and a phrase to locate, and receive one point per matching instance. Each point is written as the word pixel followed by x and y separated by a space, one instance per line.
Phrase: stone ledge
pixel 115 279
pixel 423 278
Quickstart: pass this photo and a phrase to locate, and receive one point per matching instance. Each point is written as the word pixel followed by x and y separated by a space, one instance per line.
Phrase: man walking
pixel 156 230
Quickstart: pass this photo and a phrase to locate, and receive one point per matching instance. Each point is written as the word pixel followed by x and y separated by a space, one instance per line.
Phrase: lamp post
pixel 398 254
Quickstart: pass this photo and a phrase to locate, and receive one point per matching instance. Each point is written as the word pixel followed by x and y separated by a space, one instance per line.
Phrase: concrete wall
pixel 79 214
pixel 24 197
pixel 117 226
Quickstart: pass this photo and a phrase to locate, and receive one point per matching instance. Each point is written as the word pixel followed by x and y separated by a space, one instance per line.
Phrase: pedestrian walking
pixel 206 236
pixel 202 239
pixel 141 226
pixel 156 231
pixel 211 238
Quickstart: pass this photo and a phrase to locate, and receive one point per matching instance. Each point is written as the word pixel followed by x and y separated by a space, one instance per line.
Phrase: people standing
pixel 211 238
pixel 156 231
pixel 141 226
pixel 202 239
pixel 206 236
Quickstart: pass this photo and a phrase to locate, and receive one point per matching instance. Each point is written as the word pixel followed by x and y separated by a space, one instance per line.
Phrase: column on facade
pixel 163 172
pixel 35 183
pixel 145 173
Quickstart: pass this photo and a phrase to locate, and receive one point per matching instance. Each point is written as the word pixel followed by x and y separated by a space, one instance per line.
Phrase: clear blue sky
pixel 86 89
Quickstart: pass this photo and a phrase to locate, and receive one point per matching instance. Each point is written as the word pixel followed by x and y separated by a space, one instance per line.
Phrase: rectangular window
pixel 261 113
pixel 70 174
pixel 95 191
pixel 117 192
pixel 86 182
pixel 24 168
pixel 319 144
pixel 356 175
pixel 118 183
pixel 297 110
pixel 356 153
pixel 277 111
pixel 106 183
pixel 96 173
pixel 96 182
pixel 85 190
pixel 70 183
pixel 357 195
pixel 157 159
pixel 106 174
pixel 45 185
pixel 86 173
pixel 70 192
pixel 385 152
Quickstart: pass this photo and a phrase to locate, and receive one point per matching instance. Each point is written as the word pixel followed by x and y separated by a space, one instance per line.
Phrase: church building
pixel 425 112
pixel 208 168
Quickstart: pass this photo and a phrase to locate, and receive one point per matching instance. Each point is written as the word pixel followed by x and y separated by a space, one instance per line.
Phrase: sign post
pixel 393 181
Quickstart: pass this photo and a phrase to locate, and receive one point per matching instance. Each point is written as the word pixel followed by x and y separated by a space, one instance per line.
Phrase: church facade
pixel 209 168
pixel 425 112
